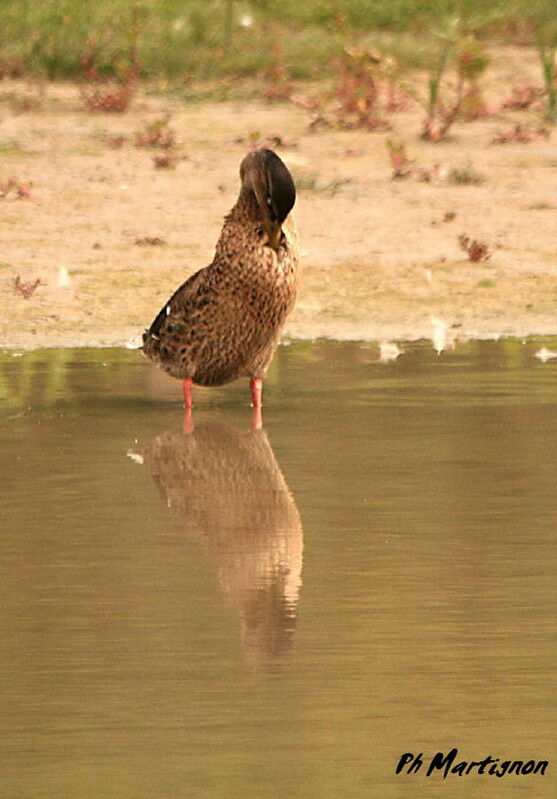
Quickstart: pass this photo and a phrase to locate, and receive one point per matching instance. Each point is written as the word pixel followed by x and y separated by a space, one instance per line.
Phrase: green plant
pixel 401 163
pixel 466 175
pixel 108 97
pixel 309 181
pixel 358 89
pixel 112 94
pixel 278 85
pixel 454 30
pixel 547 55
pixel 471 63
pixel 157 133
pixel 216 39
pixel 541 16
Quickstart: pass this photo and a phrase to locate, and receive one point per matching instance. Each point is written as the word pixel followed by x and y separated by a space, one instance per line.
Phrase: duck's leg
pixel 187 424
pixel 187 384
pixel 256 388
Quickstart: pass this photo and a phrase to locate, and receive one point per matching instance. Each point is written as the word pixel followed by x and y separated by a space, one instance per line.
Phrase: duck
pixel 224 322
pixel 227 492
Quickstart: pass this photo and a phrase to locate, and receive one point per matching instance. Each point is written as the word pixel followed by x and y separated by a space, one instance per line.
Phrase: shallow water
pixel 279 613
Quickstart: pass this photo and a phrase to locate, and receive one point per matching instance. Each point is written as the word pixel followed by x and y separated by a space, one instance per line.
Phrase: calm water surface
pixel 280 613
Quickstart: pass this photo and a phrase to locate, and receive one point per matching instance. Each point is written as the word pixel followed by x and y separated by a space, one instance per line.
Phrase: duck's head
pixel 263 173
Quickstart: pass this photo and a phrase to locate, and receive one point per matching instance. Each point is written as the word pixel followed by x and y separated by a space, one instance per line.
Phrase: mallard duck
pixel 224 322
pixel 228 491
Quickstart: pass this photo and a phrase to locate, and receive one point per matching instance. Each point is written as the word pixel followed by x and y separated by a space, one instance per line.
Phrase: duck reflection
pixel 227 489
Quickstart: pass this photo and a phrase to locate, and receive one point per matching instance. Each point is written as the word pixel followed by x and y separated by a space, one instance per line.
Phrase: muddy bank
pixel 381 257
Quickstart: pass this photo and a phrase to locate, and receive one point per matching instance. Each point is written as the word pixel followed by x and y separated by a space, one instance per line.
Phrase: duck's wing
pixel 173 338
pixel 184 296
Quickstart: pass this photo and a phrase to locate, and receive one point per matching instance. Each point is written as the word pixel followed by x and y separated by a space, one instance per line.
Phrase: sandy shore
pixel 381 257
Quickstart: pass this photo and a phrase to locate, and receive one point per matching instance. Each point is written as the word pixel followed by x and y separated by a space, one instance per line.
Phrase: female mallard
pixel 228 492
pixel 224 321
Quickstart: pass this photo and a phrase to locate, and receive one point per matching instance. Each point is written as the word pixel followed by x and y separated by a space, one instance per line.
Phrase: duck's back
pixel 225 320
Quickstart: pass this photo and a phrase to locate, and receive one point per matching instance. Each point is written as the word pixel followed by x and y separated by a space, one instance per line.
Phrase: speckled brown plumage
pixel 228 492
pixel 224 322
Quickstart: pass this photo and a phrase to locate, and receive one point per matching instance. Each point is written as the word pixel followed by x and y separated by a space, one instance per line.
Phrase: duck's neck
pixel 246 208
pixel 240 226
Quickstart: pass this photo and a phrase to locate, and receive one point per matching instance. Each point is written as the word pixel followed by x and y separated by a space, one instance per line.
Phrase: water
pixel 279 613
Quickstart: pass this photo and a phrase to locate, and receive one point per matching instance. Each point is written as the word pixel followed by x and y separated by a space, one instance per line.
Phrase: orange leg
pixel 187 423
pixel 256 388
pixel 187 384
